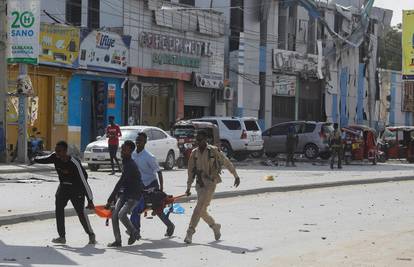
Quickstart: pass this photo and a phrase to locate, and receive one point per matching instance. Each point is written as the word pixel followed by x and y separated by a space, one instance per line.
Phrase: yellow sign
pixel 59 45
pixel 408 44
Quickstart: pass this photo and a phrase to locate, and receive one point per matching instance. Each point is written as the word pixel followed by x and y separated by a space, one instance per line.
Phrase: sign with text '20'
pixel 23 26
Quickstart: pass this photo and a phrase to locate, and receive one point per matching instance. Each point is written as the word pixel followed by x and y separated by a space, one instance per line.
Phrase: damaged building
pixel 321 62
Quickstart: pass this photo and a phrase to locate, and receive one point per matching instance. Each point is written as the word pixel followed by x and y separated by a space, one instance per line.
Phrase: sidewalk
pixel 22 168
pixel 30 196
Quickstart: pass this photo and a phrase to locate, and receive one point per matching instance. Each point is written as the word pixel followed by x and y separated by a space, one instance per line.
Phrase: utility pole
pixel 264 13
pixel 22 130
pixel 3 81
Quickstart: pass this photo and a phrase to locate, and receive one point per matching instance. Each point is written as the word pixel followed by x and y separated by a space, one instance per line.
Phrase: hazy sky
pixel 397 6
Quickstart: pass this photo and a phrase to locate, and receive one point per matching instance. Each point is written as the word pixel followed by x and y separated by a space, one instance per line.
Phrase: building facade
pixel 176 62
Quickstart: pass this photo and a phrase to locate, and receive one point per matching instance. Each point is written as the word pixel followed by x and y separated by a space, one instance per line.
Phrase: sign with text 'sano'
pixel 23 27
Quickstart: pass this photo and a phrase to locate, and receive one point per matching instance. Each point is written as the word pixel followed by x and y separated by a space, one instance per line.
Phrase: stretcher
pixel 169 201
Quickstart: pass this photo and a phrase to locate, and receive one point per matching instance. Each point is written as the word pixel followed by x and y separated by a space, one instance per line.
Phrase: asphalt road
pixel 21 190
pixel 366 225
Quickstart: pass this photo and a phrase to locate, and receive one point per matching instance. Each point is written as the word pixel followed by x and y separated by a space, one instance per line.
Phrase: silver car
pixel 313 138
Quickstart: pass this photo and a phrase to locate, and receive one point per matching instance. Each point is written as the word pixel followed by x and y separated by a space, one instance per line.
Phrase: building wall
pixel 390 102
pixel 138 18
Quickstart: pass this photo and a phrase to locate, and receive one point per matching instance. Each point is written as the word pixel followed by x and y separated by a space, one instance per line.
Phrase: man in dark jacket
pixel 292 140
pixel 73 186
pixel 128 192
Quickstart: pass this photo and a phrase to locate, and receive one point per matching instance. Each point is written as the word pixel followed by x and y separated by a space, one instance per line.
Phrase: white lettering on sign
pixel 175 44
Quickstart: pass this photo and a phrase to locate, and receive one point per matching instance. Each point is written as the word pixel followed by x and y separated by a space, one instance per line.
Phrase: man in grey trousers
pixel 126 195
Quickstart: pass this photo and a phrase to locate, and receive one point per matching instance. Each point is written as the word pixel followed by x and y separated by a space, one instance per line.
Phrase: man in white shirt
pixel 150 170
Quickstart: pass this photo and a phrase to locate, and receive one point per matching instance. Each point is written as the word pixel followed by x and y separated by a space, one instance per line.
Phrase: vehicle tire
pixel 374 161
pixel 271 155
pixel 325 155
pixel 257 154
pixel 93 167
pixel 240 156
pixel 226 149
pixel 169 161
pixel 311 151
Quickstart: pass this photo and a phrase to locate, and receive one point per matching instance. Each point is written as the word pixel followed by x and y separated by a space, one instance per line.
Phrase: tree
pixel 390 49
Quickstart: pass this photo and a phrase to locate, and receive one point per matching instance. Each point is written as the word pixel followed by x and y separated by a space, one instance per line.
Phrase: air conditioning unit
pixel 228 93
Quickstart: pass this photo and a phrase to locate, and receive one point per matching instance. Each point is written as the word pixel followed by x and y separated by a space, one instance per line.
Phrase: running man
pixel 73 186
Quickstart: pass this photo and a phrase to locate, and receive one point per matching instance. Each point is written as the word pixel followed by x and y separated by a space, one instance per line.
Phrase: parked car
pixel 160 144
pixel 239 137
pixel 313 138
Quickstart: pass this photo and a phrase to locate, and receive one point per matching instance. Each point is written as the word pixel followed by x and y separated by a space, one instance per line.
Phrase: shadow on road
pixel 147 249
pixel 27 256
pixel 86 251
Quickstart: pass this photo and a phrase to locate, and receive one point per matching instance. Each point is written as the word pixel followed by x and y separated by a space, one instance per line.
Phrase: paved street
pixel 369 225
pixel 23 189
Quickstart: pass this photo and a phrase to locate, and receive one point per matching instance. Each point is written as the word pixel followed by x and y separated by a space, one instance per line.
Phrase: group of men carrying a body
pixel 139 175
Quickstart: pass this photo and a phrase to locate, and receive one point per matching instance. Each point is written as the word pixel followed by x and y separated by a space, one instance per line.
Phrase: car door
pixel 278 137
pixel 161 146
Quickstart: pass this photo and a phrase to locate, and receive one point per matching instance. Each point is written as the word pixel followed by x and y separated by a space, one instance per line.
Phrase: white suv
pixel 239 137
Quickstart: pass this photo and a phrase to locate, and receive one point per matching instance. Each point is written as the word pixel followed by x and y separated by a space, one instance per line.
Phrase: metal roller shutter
pixel 195 97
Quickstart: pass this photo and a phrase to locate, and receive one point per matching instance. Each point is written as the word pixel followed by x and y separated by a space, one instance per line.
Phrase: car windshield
pixel 129 134
pixel 185 131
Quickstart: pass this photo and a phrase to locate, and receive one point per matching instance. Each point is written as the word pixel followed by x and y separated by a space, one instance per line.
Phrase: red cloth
pixel 113 133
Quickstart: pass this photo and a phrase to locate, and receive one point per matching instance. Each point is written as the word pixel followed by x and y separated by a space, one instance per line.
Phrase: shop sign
pixel 408 44
pixel 111 95
pixel 59 45
pixel 295 63
pixel 134 103
pixel 104 51
pixel 175 44
pixel 23 23
pixel 284 85
pixel 212 80
pixel 177 60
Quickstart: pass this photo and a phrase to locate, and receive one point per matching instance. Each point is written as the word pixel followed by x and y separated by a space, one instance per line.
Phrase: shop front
pixel 202 95
pixel 96 89
pixel 48 106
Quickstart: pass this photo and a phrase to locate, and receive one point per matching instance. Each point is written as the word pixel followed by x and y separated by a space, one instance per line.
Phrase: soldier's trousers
pixel 336 152
pixel 204 196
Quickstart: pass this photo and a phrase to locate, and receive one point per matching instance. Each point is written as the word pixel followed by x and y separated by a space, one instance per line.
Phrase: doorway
pixel 93 111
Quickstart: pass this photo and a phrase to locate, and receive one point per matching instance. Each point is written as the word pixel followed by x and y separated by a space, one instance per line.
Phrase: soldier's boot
pixel 216 229
pixel 189 237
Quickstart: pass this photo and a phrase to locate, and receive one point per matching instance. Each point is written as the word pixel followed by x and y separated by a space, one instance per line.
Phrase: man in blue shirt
pixel 150 170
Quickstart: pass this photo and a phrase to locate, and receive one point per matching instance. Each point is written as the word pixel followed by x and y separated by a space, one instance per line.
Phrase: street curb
pixel 45 215
pixel 22 169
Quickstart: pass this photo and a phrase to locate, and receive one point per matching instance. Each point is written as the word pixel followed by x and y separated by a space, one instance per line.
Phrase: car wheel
pixel 169 161
pixel 240 156
pixel 93 167
pixel 311 151
pixel 257 154
pixel 271 155
pixel 226 149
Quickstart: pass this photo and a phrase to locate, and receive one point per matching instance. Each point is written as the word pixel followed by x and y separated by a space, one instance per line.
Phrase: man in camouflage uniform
pixel 204 166
pixel 335 144
pixel 292 140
